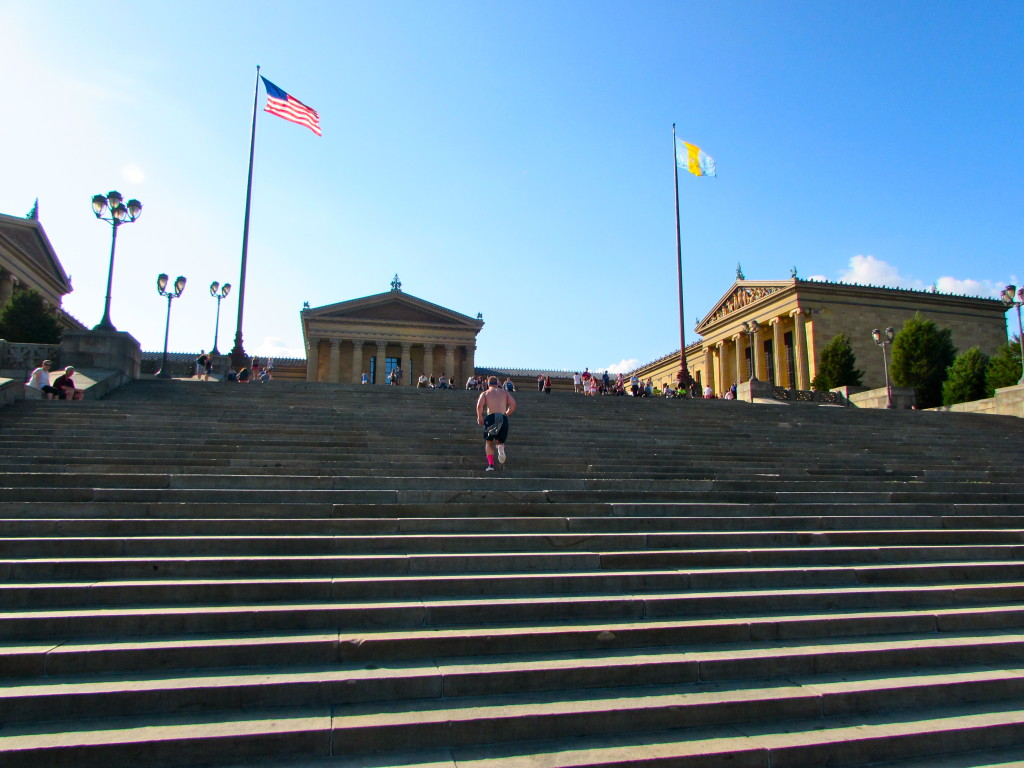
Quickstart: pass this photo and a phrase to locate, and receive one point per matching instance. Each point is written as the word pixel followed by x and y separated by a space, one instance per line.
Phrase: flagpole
pixel 684 375
pixel 239 359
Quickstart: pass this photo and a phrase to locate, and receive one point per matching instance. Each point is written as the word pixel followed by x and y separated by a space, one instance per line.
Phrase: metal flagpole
pixel 238 356
pixel 684 374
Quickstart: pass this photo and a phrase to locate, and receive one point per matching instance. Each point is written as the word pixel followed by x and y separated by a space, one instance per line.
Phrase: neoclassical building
pixel 28 262
pixel 797 318
pixel 377 333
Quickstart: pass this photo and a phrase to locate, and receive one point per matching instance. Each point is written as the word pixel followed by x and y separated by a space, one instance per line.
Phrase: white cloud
pixel 867 270
pixel 272 346
pixel 986 288
pixel 624 366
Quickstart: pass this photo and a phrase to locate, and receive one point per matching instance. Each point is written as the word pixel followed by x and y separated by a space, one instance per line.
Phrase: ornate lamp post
pixel 884 341
pixel 1008 301
pixel 161 288
pixel 218 293
pixel 117 214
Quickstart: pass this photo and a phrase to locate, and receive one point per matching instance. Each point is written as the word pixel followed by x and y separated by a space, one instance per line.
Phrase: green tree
pixel 26 319
pixel 837 366
pixel 1004 367
pixel 965 379
pixel 921 354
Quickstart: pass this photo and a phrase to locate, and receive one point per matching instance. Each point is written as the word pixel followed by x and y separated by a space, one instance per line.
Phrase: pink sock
pixel 490 461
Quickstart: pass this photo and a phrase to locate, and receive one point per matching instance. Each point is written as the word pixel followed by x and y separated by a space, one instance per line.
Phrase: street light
pixel 883 341
pixel 1009 301
pixel 117 214
pixel 218 295
pixel 161 288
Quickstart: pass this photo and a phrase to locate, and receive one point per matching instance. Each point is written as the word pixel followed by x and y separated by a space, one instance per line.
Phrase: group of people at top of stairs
pixel 590 384
pixel 63 388
pixel 430 382
pixel 257 371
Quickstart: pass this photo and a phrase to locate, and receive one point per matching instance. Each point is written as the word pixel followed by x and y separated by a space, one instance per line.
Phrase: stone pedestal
pixel 106 350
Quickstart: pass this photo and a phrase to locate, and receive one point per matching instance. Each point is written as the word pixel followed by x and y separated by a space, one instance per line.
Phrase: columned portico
pixel 394 323
pixel 804 315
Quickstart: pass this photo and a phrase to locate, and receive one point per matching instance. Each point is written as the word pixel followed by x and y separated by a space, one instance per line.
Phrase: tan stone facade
pixel 797 318
pixel 28 262
pixel 374 333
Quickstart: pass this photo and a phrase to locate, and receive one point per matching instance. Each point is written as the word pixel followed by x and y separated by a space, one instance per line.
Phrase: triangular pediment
pixel 25 238
pixel 742 294
pixel 392 307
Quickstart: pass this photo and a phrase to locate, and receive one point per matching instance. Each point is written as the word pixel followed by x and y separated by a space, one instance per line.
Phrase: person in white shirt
pixel 40 379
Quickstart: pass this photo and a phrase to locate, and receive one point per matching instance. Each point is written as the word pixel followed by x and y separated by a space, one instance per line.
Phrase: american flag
pixel 284 105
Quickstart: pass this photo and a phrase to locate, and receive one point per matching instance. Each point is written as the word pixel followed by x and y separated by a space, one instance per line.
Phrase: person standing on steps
pixel 499 405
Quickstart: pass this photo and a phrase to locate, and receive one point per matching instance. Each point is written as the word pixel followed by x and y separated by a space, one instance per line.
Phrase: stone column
pixel 800 342
pixel 334 362
pixel 709 374
pixel 428 361
pixel 470 360
pixel 756 366
pixel 357 361
pixel 407 364
pixel 382 363
pixel 740 360
pixel 449 365
pixel 720 383
pixel 777 348
pixel 312 358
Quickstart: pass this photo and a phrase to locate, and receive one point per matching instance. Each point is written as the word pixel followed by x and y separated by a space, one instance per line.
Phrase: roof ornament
pixel 34 213
pixel 305 305
pixel 479 315
pixel 739 272
pixel 396 284
pixel 792 273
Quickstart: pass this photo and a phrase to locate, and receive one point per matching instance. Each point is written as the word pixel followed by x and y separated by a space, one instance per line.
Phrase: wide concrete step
pixel 366 583
pixel 656 544
pixel 305 648
pixel 941 710
pixel 507 518
pixel 239 617
pixel 100 695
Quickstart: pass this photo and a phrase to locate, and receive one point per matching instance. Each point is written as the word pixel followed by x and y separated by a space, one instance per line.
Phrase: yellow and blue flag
pixel 694 159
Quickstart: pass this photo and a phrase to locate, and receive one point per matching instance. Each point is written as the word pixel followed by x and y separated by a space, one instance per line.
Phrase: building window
pixel 769 362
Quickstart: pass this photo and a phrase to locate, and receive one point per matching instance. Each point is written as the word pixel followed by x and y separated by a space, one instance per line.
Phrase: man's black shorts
pixel 496 427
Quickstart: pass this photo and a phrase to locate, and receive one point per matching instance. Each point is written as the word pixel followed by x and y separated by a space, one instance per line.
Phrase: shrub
pixel 921 354
pixel 965 380
pixel 837 366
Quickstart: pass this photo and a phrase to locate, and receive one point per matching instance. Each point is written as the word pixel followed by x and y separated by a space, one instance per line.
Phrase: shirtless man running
pixel 499 405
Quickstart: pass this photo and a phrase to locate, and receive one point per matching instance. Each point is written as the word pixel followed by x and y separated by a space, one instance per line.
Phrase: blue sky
pixel 514 158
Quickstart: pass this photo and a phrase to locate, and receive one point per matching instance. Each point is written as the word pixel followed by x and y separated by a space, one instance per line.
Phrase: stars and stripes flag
pixel 287 106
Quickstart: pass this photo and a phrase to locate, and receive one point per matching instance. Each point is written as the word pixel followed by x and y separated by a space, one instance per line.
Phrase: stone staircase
pixel 323 575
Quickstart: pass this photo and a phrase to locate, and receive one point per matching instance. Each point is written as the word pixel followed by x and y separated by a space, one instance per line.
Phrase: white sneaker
pixel 501 453
pixel 489 468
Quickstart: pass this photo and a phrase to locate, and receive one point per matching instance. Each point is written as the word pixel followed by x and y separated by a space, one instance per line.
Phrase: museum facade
pixel 796 318
pixel 28 262
pixel 376 334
